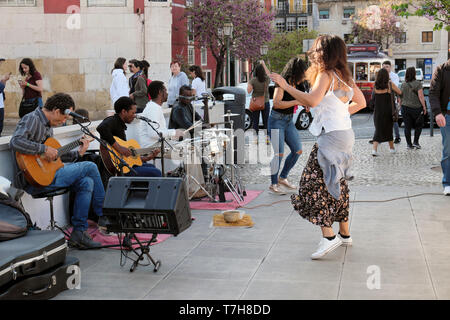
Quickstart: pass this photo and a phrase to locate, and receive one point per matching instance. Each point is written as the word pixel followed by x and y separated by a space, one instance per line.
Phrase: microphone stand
pixel 105 145
pixel 162 140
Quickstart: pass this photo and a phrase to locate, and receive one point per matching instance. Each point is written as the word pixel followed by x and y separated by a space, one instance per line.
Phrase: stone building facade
pixel 74 44
pixel 414 48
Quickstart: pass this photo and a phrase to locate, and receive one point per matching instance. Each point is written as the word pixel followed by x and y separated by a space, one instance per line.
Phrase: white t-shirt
pixel 394 78
pixel 148 136
pixel 2 105
pixel 199 86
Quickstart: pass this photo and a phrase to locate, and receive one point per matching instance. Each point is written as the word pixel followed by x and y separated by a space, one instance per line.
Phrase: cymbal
pixel 231 115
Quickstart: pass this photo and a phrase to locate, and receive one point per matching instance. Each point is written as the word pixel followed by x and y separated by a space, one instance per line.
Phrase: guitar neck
pixel 68 147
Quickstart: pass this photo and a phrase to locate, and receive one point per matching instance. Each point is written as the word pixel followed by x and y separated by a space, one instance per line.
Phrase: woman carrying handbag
pixel 259 103
pixel 32 87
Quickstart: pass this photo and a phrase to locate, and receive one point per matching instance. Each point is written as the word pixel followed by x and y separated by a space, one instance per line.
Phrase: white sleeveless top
pixel 331 113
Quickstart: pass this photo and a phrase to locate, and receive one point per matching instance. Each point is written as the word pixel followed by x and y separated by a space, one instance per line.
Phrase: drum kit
pixel 214 146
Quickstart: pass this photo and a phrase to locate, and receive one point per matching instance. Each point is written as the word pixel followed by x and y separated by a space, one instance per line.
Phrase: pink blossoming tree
pixel 433 10
pixel 252 27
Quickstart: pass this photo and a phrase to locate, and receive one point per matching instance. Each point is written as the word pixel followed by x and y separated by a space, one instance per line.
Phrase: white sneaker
pixel 326 246
pixel 447 191
pixel 345 241
pixel 392 151
pixel 374 153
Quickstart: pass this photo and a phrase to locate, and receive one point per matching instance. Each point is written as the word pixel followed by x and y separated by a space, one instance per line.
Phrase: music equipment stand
pixel 144 251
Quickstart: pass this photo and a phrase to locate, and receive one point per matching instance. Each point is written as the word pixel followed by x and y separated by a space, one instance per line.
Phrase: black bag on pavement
pixel 31 254
pixel 45 285
pixel 14 220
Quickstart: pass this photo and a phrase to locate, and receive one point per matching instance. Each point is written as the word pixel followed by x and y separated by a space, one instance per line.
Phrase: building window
pixel 190 30
pixel 301 6
pixel 427 36
pixel 400 38
pixel 324 14
pixel 303 24
pixel 282 7
pixel 107 3
pixel 279 26
pixel 291 25
pixel 204 56
pixel 349 12
pixel 18 3
pixel 191 55
pixel 188 3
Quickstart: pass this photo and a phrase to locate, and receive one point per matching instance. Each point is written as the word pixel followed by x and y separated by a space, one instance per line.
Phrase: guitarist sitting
pixel 81 177
pixel 116 125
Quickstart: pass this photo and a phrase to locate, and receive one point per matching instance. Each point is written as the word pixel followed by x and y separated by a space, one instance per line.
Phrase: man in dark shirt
pixel 181 116
pixel 440 105
pixel 81 177
pixel 115 126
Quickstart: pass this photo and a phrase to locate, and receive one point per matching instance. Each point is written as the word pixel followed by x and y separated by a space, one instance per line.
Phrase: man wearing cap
pixel 3 81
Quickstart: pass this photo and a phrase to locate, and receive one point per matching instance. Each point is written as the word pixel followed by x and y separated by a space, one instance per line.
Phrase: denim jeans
pixel 445 163
pixel 281 129
pixel 265 115
pixel 84 179
pixel 146 170
pixel 396 131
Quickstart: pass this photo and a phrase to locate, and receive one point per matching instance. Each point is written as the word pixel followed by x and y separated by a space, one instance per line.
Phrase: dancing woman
pixel 324 195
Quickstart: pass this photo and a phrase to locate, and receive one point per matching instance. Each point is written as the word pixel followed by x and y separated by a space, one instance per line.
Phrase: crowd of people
pixel 326 85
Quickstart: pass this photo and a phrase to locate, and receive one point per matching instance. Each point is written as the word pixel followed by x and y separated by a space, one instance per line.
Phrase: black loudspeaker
pixel 147 205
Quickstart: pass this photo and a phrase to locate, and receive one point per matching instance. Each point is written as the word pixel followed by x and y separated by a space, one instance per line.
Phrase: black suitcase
pixel 37 251
pixel 45 285
pixel 14 221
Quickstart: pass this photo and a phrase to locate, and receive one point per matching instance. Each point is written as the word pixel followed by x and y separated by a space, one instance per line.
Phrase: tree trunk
pixel 218 81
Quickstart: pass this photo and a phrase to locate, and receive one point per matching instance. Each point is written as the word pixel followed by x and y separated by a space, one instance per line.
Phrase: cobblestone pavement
pixel 404 168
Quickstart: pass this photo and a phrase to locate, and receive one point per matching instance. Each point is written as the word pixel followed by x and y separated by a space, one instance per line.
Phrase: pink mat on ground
pixel 204 204
pixel 112 239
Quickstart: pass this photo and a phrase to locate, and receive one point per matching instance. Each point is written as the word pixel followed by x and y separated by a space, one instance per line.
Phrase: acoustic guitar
pixel 113 165
pixel 37 170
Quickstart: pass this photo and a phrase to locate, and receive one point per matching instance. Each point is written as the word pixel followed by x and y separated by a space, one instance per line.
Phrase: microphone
pixel 146 119
pixel 67 112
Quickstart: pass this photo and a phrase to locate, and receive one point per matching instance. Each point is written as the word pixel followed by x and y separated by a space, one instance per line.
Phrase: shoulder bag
pixel 26 107
pixel 394 109
pixel 258 103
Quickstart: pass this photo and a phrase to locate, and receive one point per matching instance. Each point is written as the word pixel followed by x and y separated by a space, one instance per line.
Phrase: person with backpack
pixel 413 107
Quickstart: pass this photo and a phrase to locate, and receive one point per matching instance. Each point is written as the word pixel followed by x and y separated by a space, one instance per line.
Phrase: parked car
pixel 419 75
pixel 426 92
pixel 301 118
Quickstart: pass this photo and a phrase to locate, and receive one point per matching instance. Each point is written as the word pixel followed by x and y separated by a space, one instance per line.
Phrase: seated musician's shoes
pixel 82 240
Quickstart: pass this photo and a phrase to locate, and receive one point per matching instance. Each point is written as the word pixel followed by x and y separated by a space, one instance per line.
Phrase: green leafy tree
pixel 433 10
pixel 285 46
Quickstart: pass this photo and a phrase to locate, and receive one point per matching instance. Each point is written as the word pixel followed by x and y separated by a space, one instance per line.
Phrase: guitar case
pixel 45 285
pixel 37 251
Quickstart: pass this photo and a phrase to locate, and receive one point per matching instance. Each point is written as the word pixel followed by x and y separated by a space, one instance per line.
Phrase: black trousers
pixel 410 117
pixel 2 118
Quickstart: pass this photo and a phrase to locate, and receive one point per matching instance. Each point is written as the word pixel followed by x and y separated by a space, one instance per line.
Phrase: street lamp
pixel 264 49
pixel 228 32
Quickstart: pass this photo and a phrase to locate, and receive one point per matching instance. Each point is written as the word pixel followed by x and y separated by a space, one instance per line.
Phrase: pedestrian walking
pixel 119 86
pixel 32 87
pixel 281 128
pixel 383 106
pixel 138 85
pixel 413 107
pixel 145 67
pixel 259 87
pixel 3 81
pixel 176 81
pixel 440 106
pixel 395 80
pixel 323 194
